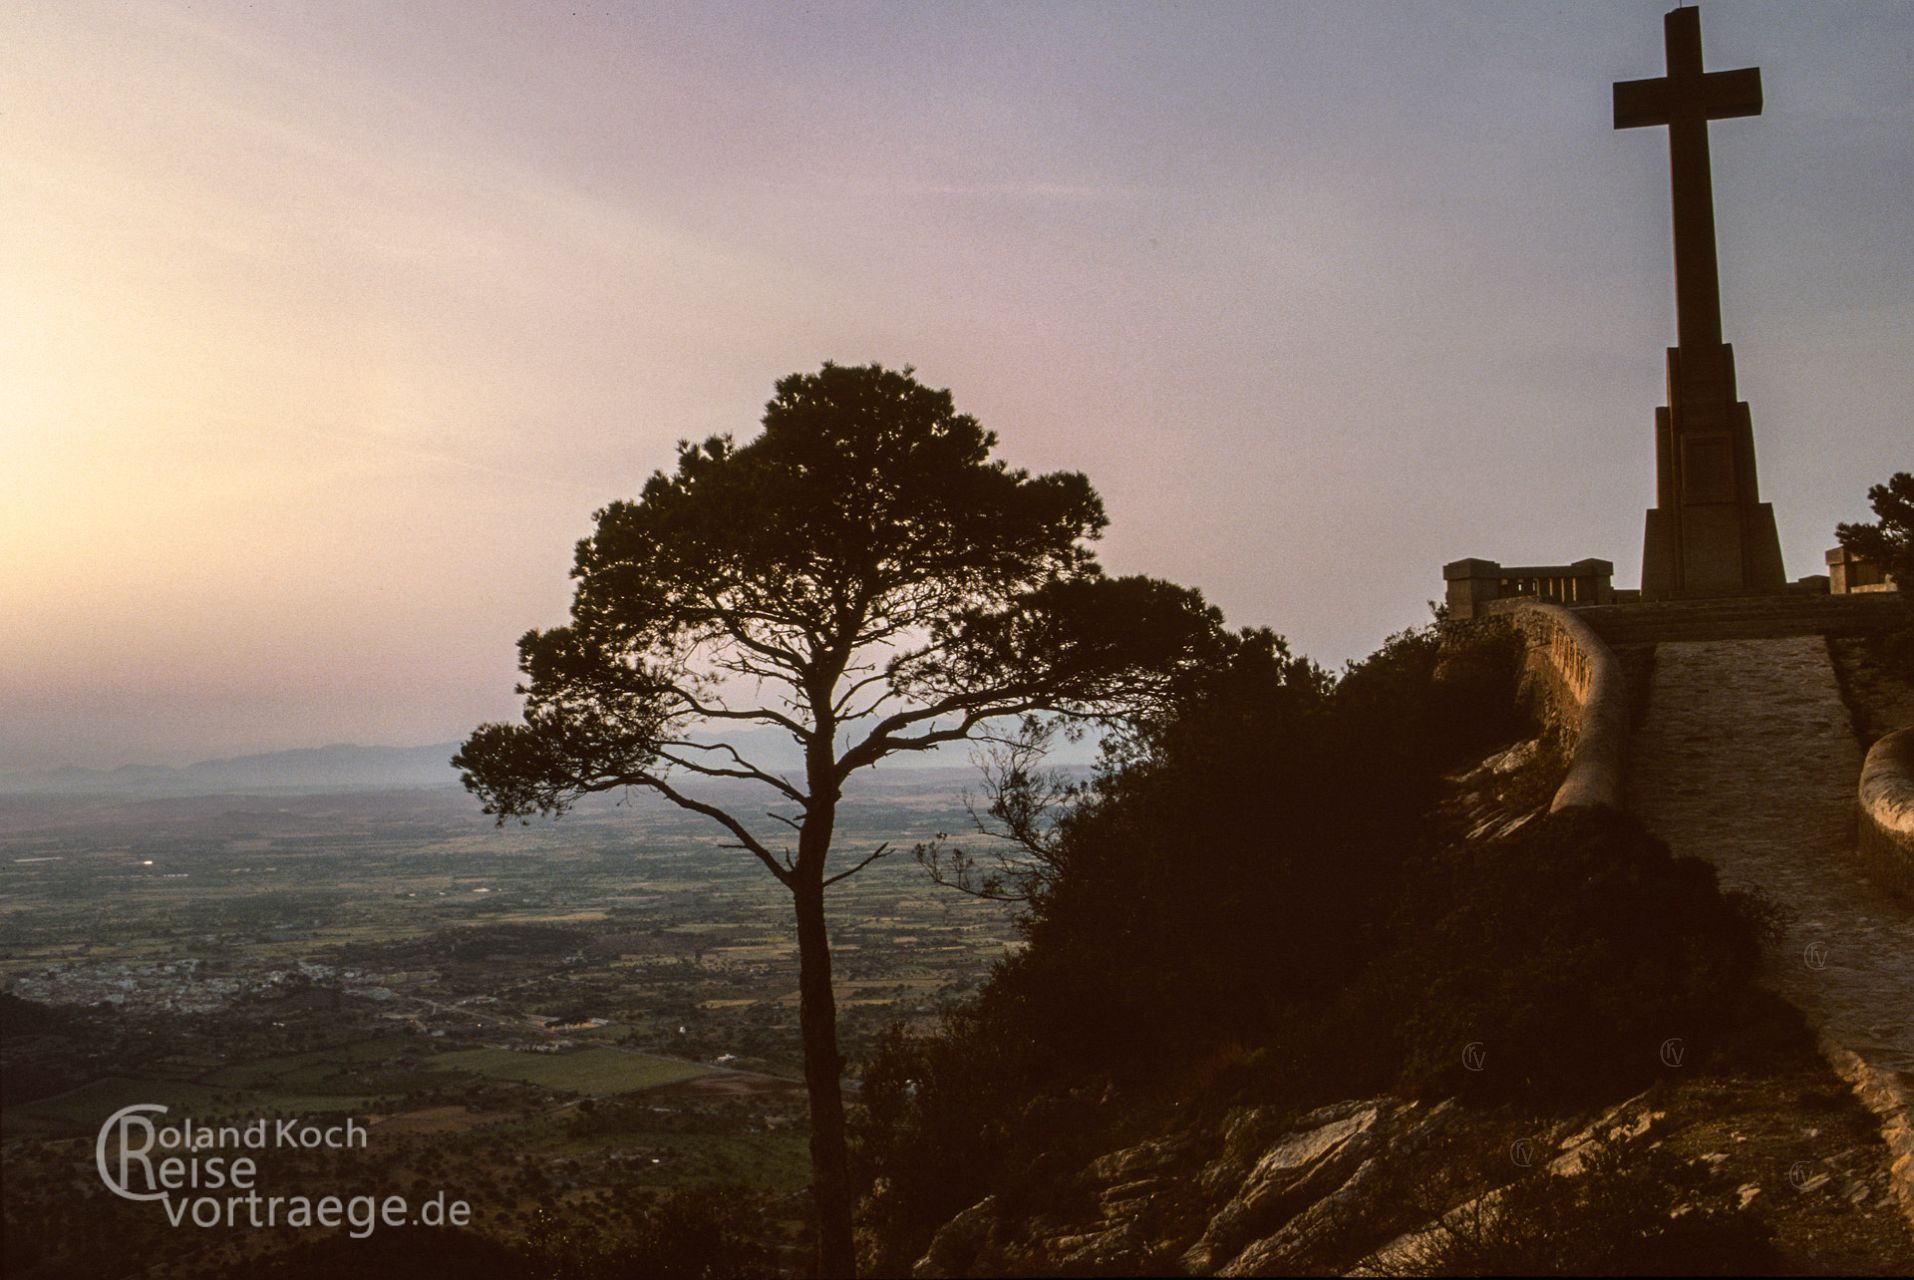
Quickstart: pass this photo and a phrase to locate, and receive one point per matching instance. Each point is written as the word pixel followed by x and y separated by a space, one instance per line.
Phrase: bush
pixel 1237 873
pixel 1889 540
pixel 930 1134
pixel 1257 885
pixel 1583 960
pixel 706 1233
pixel 1194 875
pixel 1229 876
pixel 393 1253
pixel 1630 1212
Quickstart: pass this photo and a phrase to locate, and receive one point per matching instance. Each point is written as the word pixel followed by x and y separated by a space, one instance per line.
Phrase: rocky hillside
pixel 1726 1175
pixel 1346 998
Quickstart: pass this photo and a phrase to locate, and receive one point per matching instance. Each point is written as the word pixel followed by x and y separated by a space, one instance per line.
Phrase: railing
pixel 1473 585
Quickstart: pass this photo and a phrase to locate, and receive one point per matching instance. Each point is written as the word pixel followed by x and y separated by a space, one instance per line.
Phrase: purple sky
pixel 328 325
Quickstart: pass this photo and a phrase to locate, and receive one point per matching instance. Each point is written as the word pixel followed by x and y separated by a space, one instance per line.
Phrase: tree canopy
pixel 1889 540
pixel 863 576
pixel 868 562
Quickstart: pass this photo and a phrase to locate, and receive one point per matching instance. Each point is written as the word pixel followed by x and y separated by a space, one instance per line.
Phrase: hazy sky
pixel 325 327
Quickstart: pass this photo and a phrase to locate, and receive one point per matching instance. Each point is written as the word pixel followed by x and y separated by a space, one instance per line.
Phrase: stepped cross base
pixel 1709 533
pixel 1711 551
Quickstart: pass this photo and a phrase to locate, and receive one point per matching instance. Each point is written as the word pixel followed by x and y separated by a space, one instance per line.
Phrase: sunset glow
pixel 327 327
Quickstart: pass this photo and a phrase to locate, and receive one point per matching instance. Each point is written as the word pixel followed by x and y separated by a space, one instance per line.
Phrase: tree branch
pixel 851 690
pixel 877 853
pixel 746 840
pixel 763 715
pixel 884 740
pixel 747 770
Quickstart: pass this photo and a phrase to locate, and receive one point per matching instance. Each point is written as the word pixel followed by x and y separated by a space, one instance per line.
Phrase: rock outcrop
pixel 1379 1186
pixel 1258 1193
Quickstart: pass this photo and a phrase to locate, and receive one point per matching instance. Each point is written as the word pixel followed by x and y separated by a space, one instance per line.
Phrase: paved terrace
pixel 1746 757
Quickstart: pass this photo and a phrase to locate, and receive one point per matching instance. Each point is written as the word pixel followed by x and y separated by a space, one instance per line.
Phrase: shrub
pixel 703 1233
pixel 1889 539
pixel 1255 884
pixel 1630 1212
pixel 1582 958
pixel 930 1132
pixel 1228 876
pixel 393 1253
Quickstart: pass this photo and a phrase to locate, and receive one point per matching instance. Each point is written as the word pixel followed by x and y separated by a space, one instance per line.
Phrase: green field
pixel 586 1071
pixel 298 1083
pixel 308 1071
pixel 82 1110
pixel 327 955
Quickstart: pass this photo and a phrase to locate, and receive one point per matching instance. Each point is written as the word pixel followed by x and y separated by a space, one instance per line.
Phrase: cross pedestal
pixel 1709 533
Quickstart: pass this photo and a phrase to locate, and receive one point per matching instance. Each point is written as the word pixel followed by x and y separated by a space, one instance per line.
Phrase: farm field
pixel 580 1013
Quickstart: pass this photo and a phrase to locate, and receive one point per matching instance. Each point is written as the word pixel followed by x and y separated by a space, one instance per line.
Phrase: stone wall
pixel 1887 811
pixel 1580 694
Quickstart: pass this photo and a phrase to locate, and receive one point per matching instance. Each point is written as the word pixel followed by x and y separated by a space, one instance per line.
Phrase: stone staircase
pixel 1743 618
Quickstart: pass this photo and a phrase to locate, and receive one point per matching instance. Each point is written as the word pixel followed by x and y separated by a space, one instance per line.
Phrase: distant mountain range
pixel 341 767
pixel 347 767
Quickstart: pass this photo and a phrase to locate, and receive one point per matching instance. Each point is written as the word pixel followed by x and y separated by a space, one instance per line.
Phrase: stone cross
pixel 1685 100
pixel 1709 533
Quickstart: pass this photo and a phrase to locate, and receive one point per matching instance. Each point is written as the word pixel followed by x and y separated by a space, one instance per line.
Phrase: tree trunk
pixel 817 1020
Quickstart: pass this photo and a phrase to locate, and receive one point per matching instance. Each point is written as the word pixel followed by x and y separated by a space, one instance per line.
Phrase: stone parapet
pixel 1744 618
pixel 1472 587
pixel 1887 811
pixel 1583 697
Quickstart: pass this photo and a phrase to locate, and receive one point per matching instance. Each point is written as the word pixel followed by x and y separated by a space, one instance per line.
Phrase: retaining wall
pixel 1580 692
pixel 1886 799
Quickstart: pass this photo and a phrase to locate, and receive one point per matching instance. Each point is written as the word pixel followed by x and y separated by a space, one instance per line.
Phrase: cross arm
pixel 1723 96
pixel 1727 94
pixel 1640 103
